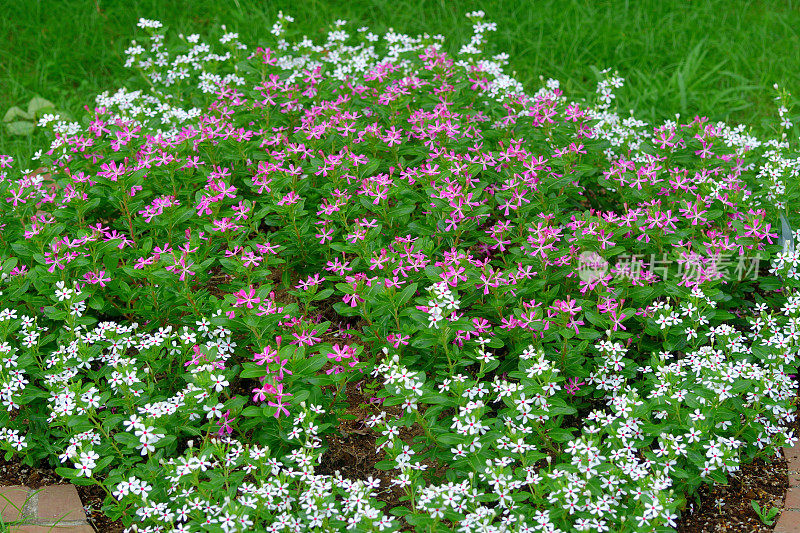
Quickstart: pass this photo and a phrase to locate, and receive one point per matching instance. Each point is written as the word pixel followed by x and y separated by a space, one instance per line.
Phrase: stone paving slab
pixel 60 502
pixel 12 502
pixel 84 528
pixel 54 509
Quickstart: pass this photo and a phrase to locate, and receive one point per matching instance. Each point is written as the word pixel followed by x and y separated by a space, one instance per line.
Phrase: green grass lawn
pixel 713 58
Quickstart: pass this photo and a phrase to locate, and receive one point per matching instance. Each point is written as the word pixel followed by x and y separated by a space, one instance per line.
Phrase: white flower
pixel 8 314
pixel 215 411
pixel 89 457
pixel 63 293
pixel 145 23
pixel 219 382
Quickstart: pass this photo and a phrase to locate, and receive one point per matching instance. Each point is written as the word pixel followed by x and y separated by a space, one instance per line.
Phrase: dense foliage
pixel 571 319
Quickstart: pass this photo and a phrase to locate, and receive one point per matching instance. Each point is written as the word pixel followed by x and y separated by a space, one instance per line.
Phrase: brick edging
pixel 41 509
pixel 789 519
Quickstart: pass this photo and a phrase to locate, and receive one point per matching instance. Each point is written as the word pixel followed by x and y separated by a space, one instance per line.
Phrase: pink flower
pixel 96 277
pixel 225 424
pixel 342 352
pixel 260 393
pixel 264 356
pixel 281 408
pixel 243 297
pixel 397 340
pixel 572 386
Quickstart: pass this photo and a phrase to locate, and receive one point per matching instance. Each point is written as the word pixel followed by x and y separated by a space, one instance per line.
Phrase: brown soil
pixel 728 509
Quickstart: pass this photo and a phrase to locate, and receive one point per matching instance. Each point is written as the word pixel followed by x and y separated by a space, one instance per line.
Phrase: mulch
pixel 727 508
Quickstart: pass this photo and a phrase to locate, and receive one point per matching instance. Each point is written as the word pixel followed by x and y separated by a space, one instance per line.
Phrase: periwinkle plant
pixel 450 213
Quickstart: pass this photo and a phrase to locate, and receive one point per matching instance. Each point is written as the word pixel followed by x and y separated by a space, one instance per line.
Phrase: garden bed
pixel 375 287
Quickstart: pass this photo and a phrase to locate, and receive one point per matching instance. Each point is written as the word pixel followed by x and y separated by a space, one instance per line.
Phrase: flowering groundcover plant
pixel 573 319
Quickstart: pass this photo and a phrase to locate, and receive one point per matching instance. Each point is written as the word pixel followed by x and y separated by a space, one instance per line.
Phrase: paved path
pixel 789 521
pixel 55 509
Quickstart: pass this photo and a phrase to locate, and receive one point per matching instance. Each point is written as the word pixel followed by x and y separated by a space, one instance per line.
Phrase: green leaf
pixel 8 265
pixel 126 438
pixel 384 465
pixel 407 293
pixel 182 216
pixel 370 168
pixel 399 511
pixel 402 209
pixel 308 366
pixel 252 370
pixel 66 473
pixel 322 295
pixel 286 278
pixel 435 399
pixel 595 318
pixel 562 410
pixel 54 314
pixel 38 105
pixel 560 434
pixel 191 430
pixel 95 302
pixel 16 112
pixel 419 520
pixel 104 462
pixel 20 127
